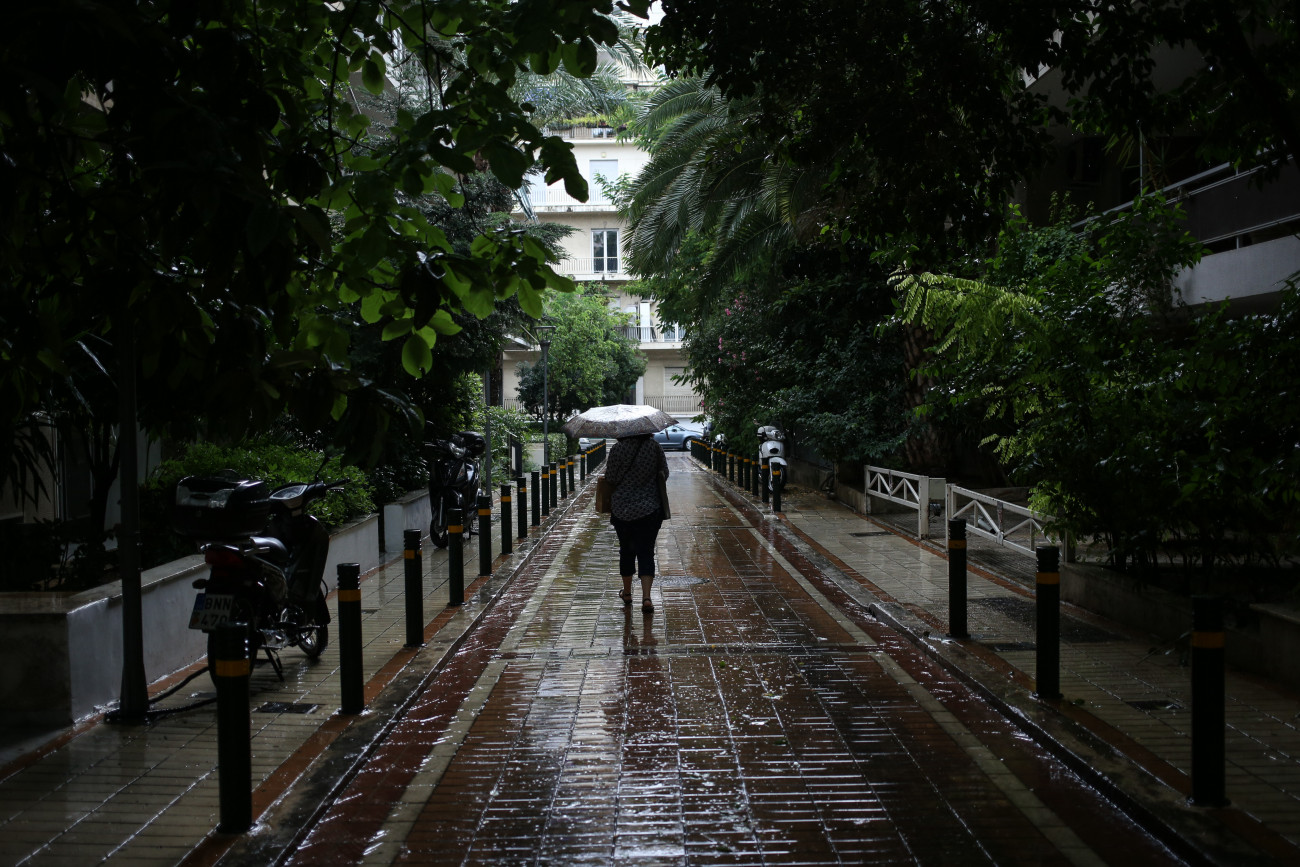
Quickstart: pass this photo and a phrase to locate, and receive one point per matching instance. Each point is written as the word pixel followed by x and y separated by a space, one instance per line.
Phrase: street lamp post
pixel 544 338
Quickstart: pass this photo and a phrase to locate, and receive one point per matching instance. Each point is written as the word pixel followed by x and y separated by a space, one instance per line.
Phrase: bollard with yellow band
pixel 563 467
pixel 573 462
pixel 455 557
pixel 546 492
pixel 506 546
pixel 957 625
pixel 484 535
pixel 537 499
pixel 1209 720
pixel 414 588
pixel 351 681
pixel 521 485
pixel 230 670
pixel 555 486
pixel 1047 604
pixel 777 483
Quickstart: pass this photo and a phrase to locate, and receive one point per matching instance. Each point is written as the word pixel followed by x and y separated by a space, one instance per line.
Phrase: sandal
pixel 646 605
pixel 626 596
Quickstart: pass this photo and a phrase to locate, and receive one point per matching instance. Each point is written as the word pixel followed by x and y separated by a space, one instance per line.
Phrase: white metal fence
pixel 903 489
pixel 1007 524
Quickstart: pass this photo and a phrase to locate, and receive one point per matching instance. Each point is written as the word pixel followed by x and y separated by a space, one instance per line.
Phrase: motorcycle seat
pixel 273 549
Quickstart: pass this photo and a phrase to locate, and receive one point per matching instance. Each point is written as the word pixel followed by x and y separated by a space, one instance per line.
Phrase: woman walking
pixel 636 510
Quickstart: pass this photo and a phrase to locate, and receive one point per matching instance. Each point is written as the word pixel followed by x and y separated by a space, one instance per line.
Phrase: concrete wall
pixel 61 653
pixel 1265 640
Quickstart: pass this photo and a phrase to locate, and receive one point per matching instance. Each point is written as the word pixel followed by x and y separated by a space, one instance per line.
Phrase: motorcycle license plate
pixel 211 610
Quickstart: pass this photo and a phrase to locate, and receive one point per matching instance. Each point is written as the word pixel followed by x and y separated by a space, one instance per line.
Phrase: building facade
pixel 593 253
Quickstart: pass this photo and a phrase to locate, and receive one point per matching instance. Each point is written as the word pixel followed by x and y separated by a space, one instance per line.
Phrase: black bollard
pixel 414 588
pixel 1209 718
pixel 1048 606
pixel 546 492
pixel 521 485
pixel 573 488
pixel 555 488
pixel 455 557
pixel 957 626
pixel 564 479
pixel 762 480
pixel 484 535
pixel 777 481
pixel 351 682
pixel 506 547
pixel 230 672
pixel 755 478
pixel 537 499
pixel 582 467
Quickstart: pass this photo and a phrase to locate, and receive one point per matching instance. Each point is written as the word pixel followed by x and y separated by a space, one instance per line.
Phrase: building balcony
pixel 586 269
pixel 656 336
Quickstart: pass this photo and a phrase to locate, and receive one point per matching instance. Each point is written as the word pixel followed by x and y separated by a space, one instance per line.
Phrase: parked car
pixel 679 436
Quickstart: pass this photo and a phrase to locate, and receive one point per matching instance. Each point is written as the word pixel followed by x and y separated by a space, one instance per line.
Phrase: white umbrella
pixel 619 420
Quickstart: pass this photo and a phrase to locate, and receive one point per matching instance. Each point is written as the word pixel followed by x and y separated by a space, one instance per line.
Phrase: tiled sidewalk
pixel 149 795
pixel 1125 688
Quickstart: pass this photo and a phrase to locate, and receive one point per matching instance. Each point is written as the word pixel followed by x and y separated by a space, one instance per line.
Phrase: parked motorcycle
pixel 771 452
pixel 267 557
pixel 453 480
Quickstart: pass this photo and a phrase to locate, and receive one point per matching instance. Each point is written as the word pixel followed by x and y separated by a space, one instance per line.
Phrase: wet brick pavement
pixel 749 720
pixel 768 712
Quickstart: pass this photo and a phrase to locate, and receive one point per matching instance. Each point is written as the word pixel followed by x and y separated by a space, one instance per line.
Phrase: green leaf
pixel 417 358
pixel 397 328
pixel 372 73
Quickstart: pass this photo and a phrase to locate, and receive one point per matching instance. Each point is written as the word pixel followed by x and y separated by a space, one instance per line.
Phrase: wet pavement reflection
pixel 759 715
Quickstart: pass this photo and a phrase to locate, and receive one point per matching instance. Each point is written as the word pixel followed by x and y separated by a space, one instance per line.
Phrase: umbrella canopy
pixel 619 420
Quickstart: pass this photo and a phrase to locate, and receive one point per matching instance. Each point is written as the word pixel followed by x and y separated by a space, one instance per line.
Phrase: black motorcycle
pixel 453 480
pixel 267 557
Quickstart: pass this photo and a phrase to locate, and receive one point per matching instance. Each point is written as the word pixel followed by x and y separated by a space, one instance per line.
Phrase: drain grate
pixel 871 533
pixel 285 707
pixel 1012 646
pixel 679 580
pixel 1149 704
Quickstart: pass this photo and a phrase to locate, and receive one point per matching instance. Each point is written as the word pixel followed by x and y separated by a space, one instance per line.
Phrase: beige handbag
pixel 604 495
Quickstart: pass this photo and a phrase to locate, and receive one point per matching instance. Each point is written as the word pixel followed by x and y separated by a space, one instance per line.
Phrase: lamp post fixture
pixel 544 339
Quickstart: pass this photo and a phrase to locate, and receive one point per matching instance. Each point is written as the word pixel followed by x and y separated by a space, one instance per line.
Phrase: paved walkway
pixel 783 704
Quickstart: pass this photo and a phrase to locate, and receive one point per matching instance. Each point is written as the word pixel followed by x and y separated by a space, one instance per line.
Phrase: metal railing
pixel 655 333
pixel 903 489
pixel 1007 524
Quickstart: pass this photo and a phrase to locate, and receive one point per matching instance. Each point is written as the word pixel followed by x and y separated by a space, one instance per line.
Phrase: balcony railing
pixel 605 268
pixel 655 333
pixel 554 198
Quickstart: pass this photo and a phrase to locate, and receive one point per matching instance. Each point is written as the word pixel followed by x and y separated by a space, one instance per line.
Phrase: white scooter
pixel 771 455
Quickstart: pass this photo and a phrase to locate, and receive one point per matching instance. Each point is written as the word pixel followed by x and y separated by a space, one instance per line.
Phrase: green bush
pixel 274 463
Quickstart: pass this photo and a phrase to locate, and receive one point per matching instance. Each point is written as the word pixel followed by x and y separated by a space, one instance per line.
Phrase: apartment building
pixel 593 253
pixel 1250 227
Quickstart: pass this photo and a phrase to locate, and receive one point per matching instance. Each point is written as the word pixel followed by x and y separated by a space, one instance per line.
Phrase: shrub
pixel 274 463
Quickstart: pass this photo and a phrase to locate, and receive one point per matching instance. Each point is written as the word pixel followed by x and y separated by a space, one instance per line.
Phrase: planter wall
pixel 1265 642
pixel 61 653
pixel 412 512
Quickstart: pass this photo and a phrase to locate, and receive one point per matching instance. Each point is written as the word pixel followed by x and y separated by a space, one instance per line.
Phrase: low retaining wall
pixel 1265 641
pixel 62 652
pixel 412 512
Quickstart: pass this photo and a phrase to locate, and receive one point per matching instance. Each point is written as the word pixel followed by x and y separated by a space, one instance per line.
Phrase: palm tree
pixel 710 176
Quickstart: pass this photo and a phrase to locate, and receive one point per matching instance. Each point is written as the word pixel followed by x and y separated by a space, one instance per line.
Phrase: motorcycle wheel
pixel 438 526
pixel 314 638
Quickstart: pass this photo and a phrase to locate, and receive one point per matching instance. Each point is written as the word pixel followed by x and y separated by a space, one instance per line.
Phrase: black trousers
pixel 636 544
